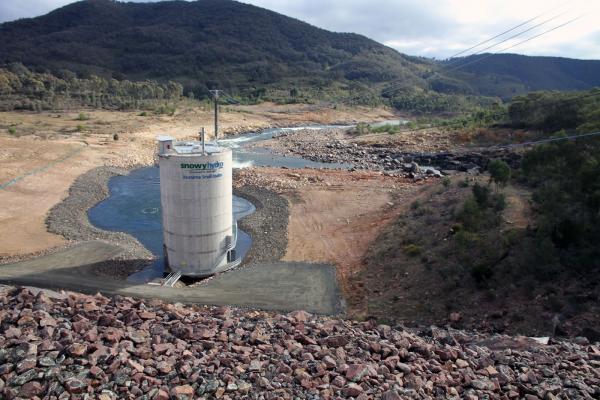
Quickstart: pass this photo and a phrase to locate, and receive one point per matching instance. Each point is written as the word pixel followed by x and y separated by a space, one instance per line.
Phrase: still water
pixel 134 207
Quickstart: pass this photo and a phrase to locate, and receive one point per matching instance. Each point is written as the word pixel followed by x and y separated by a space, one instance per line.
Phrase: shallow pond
pixel 134 207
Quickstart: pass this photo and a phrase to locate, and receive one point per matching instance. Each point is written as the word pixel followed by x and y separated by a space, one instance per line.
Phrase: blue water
pixel 134 207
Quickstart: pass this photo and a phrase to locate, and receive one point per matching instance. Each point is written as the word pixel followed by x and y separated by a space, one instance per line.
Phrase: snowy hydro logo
pixel 203 166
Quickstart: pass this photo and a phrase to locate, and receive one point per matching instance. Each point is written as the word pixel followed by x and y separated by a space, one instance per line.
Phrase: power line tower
pixel 215 94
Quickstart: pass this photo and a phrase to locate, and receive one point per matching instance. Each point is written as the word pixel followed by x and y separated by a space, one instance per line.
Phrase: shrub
pixel 165 110
pixel 415 205
pixel 362 129
pixel 564 176
pixel 387 128
pixel 481 194
pixel 466 239
pixel 82 117
pixel 456 228
pixel 81 128
pixel 413 250
pixel 12 130
pixel 470 214
pixel 446 182
pixel 499 173
pixel 481 273
pixel 498 202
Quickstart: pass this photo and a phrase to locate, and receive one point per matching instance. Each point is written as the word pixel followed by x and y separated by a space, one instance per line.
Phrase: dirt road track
pixel 275 286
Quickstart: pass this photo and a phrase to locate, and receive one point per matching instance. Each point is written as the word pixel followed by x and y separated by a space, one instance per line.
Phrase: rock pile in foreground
pixel 77 346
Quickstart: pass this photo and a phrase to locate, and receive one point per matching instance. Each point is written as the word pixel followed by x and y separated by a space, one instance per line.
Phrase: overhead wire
pixel 506 31
pixel 515 45
pixel 549 140
pixel 396 87
pixel 515 36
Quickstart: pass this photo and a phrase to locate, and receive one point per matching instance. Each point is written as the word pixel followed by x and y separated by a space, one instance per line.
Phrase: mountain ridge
pixel 224 43
pixel 146 40
pixel 533 72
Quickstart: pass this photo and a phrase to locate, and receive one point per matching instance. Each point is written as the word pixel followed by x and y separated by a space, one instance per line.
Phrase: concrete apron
pixel 280 286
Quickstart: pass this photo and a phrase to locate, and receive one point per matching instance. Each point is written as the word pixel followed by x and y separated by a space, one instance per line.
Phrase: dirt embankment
pixel 425 268
pixel 69 219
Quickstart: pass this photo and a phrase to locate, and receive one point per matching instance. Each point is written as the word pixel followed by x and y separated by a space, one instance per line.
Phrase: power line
pixel 574 137
pixel 503 41
pixel 393 88
pixel 517 35
pixel 228 96
pixel 515 45
pixel 507 31
pixel 495 37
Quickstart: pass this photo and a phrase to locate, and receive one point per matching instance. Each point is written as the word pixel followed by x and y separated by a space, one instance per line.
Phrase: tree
pixel 499 173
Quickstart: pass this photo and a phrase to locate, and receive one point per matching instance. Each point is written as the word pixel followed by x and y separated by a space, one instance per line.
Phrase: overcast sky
pixel 431 28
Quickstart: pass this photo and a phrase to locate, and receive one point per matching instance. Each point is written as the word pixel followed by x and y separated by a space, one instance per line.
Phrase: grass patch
pixel 387 128
pixel 165 110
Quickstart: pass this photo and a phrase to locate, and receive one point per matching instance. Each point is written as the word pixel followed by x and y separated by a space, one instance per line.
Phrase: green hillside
pixel 506 75
pixel 255 54
pixel 201 44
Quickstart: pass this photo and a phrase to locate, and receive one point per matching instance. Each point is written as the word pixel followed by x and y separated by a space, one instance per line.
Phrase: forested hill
pixel 245 49
pixel 204 43
pixel 506 74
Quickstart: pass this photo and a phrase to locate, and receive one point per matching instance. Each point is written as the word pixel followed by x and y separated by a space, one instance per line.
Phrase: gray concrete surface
pixel 279 286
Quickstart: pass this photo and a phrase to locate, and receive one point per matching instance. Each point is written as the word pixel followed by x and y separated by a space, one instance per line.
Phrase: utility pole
pixel 215 94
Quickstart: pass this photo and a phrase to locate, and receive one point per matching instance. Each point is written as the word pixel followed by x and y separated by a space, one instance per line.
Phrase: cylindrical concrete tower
pixel 196 197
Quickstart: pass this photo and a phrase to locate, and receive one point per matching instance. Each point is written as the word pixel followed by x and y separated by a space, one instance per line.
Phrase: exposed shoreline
pixel 267 226
pixel 69 219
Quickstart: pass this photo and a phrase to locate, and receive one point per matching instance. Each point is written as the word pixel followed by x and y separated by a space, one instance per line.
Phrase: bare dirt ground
pixel 41 154
pixel 335 216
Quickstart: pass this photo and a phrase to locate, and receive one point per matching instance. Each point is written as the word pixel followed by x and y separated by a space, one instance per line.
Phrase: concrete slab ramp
pixel 280 286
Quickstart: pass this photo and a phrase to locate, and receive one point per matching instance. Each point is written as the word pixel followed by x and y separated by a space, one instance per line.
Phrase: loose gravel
pixel 75 346
pixel 267 226
pixel 69 219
